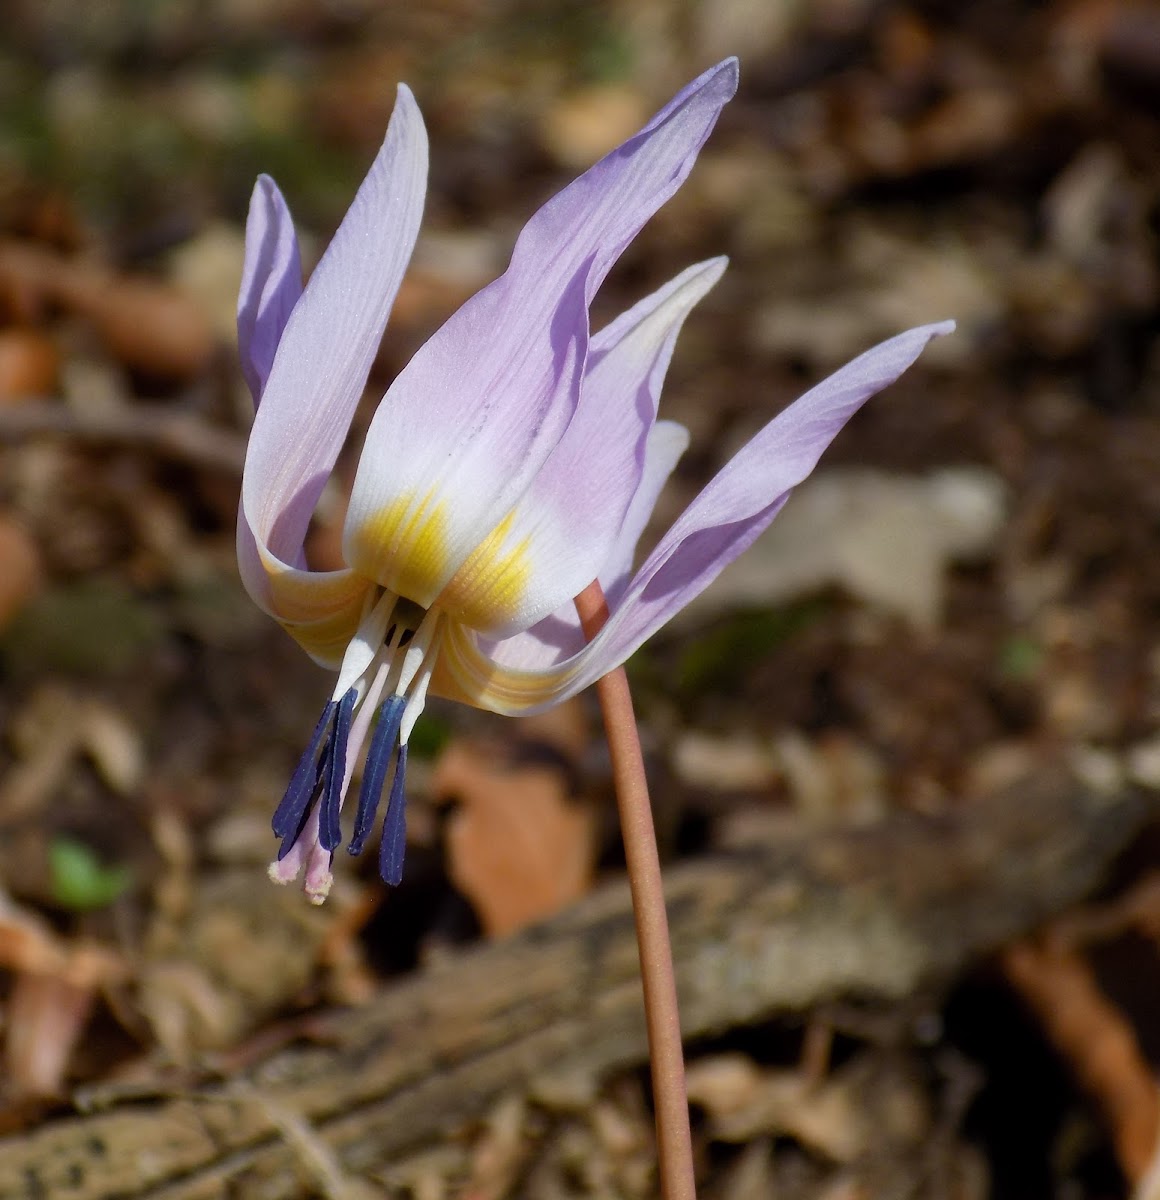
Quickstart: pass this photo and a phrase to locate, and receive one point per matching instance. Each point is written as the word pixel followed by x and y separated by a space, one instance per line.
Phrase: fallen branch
pixel 172 434
pixel 875 913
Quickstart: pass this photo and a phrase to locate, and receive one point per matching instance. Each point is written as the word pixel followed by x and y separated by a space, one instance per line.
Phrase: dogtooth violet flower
pixel 516 458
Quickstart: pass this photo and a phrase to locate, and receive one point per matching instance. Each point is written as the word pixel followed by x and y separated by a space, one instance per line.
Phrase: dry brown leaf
pixel 44 736
pixel 29 365
pixel 45 1017
pixel 149 325
pixel 350 980
pixel 578 128
pixel 564 727
pixel 174 888
pixel 28 944
pixel 51 996
pixel 20 568
pixel 52 728
pixel 834 779
pixel 186 1010
pixel 730 763
pixel 520 848
pixel 750 1175
pixel 842 1117
pixel 886 538
pixel 500 1152
pixel 208 268
pixel 114 744
pixel 448 266
pixel 1098 1042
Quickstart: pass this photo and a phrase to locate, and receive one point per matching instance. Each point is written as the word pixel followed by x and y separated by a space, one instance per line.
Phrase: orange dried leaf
pixel 46 1015
pixel 28 945
pixel 29 364
pixel 149 325
pixel 50 999
pixel 520 848
pixel 20 568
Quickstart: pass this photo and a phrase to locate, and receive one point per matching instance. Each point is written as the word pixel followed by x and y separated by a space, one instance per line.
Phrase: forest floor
pixel 962 602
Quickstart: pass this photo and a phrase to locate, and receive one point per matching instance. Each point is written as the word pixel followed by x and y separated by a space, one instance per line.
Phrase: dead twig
pixel 176 435
pixel 1097 1040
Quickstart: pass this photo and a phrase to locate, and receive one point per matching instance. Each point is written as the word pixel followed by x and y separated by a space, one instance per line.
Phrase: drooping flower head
pixel 516 458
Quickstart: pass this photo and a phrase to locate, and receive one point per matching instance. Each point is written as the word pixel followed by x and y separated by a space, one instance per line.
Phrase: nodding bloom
pixel 516 458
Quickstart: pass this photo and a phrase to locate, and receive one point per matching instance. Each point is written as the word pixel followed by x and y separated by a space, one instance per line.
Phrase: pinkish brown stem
pixel 666 1056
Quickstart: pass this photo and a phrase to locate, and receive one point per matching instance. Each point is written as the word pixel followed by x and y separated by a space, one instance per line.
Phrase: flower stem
pixel 666 1058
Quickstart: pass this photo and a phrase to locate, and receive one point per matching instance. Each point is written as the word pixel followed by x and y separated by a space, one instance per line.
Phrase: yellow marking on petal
pixel 467 675
pixel 326 640
pixel 488 589
pixel 403 547
pixel 305 596
pixel 319 610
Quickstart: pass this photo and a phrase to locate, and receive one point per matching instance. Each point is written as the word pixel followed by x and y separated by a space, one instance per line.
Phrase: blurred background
pixel 964 598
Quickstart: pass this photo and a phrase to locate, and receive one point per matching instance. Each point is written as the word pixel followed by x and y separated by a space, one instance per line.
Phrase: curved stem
pixel 666 1056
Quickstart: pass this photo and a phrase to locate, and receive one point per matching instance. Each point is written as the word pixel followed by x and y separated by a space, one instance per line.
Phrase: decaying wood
pixel 779 928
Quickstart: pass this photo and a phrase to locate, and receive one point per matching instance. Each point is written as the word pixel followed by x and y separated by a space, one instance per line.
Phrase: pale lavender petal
pixel 745 496
pixel 271 282
pixel 326 350
pixel 561 531
pixel 730 512
pixel 472 418
pixel 667 441
pixel 559 636
pixel 591 479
